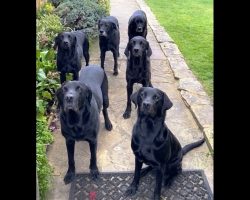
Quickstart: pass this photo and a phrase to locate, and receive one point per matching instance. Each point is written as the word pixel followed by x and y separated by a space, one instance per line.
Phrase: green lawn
pixel 190 24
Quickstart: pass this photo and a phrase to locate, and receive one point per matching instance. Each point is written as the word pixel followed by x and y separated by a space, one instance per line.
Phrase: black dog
pixel 109 39
pixel 138 70
pixel 80 104
pixel 153 143
pixel 72 46
pixel 137 25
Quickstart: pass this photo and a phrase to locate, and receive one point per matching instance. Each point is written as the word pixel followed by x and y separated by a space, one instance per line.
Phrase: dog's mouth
pixel 72 116
pixel 103 34
pixel 139 30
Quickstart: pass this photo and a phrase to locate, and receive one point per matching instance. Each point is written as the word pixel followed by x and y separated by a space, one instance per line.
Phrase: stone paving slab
pixel 114 152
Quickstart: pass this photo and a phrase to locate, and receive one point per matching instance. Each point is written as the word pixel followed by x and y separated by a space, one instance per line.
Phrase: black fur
pixel 109 39
pixel 72 46
pixel 138 54
pixel 153 143
pixel 80 103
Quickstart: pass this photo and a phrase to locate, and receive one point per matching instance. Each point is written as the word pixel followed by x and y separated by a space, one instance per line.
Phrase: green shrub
pixel 45 9
pixel 105 4
pixel 56 3
pixel 81 14
pixel 47 27
pixel 44 170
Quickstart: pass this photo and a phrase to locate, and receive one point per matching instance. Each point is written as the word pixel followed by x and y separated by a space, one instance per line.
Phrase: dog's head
pixel 138 46
pixel 151 102
pixel 106 27
pixel 65 41
pixel 139 23
pixel 73 97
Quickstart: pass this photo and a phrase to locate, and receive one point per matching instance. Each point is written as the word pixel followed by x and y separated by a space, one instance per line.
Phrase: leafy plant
pixel 44 170
pixel 45 9
pixel 48 26
pixel 81 14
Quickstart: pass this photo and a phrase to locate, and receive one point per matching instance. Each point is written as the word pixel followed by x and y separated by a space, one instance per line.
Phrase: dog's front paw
pixel 126 114
pixel 115 73
pixel 94 173
pixel 69 177
pixel 131 190
pixel 108 125
pixel 157 197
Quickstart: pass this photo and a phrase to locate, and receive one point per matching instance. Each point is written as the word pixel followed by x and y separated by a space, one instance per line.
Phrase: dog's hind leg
pixel 70 175
pixel 104 88
pixel 86 51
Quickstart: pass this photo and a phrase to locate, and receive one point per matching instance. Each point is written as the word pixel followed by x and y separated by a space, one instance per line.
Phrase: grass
pixel 190 24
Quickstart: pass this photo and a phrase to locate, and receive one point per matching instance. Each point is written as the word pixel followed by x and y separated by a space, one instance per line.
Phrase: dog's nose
pixel 136 50
pixel 139 28
pixel 65 42
pixel 146 105
pixel 69 98
pixel 101 31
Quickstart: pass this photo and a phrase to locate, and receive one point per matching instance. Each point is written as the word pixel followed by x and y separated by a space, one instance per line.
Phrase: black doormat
pixel 189 185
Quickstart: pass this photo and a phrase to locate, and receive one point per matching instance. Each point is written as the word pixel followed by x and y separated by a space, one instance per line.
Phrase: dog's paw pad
pixel 126 115
pixel 69 177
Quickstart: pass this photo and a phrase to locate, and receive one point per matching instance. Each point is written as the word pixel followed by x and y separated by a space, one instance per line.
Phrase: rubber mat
pixel 189 185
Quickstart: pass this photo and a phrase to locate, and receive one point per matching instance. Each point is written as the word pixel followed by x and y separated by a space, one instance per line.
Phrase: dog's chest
pixel 145 151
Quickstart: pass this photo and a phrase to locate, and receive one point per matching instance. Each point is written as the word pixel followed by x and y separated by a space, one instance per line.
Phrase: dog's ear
pixel 128 48
pixel 73 40
pixel 149 50
pixel 59 96
pixel 99 21
pixel 167 103
pixel 115 26
pixel 86 92
pixel 89 95
pixel 56 42
pixel 135 97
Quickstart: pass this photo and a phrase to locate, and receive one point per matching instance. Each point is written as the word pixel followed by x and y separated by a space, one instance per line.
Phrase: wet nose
pixel 69 98
pixel 136 50
pixel 101 31
pixel 146 105
pixel 65 42
pixel 139 28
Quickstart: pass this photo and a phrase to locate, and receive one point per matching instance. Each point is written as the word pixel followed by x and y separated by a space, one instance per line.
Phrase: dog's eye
pixel 156 98
pixel 140 42
pixel 65 89
pixel 134 42
pixel 69 36
pixel 77 87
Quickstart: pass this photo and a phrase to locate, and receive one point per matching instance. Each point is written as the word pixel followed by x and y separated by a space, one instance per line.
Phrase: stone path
pixel 114 152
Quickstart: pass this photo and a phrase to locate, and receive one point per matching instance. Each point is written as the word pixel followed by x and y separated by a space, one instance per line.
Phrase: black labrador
pixel 72 46
pixel 138 70
pixel 80 103
pixel 109 39
pixel 153 143
pixel 137 24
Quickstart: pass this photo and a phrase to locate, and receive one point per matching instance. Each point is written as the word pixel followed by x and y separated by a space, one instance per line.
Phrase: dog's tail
pixel 191 146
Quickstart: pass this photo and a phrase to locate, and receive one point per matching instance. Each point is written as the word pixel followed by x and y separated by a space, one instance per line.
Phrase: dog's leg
pixel 86 51
pixel 75 76
pixel 102 58
pixel 93 167
pixel 157 191
pixel 70 175
pixel 115 55
pixel 134 185
pixel 105 97
pixel 62 77
pixel 127 112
